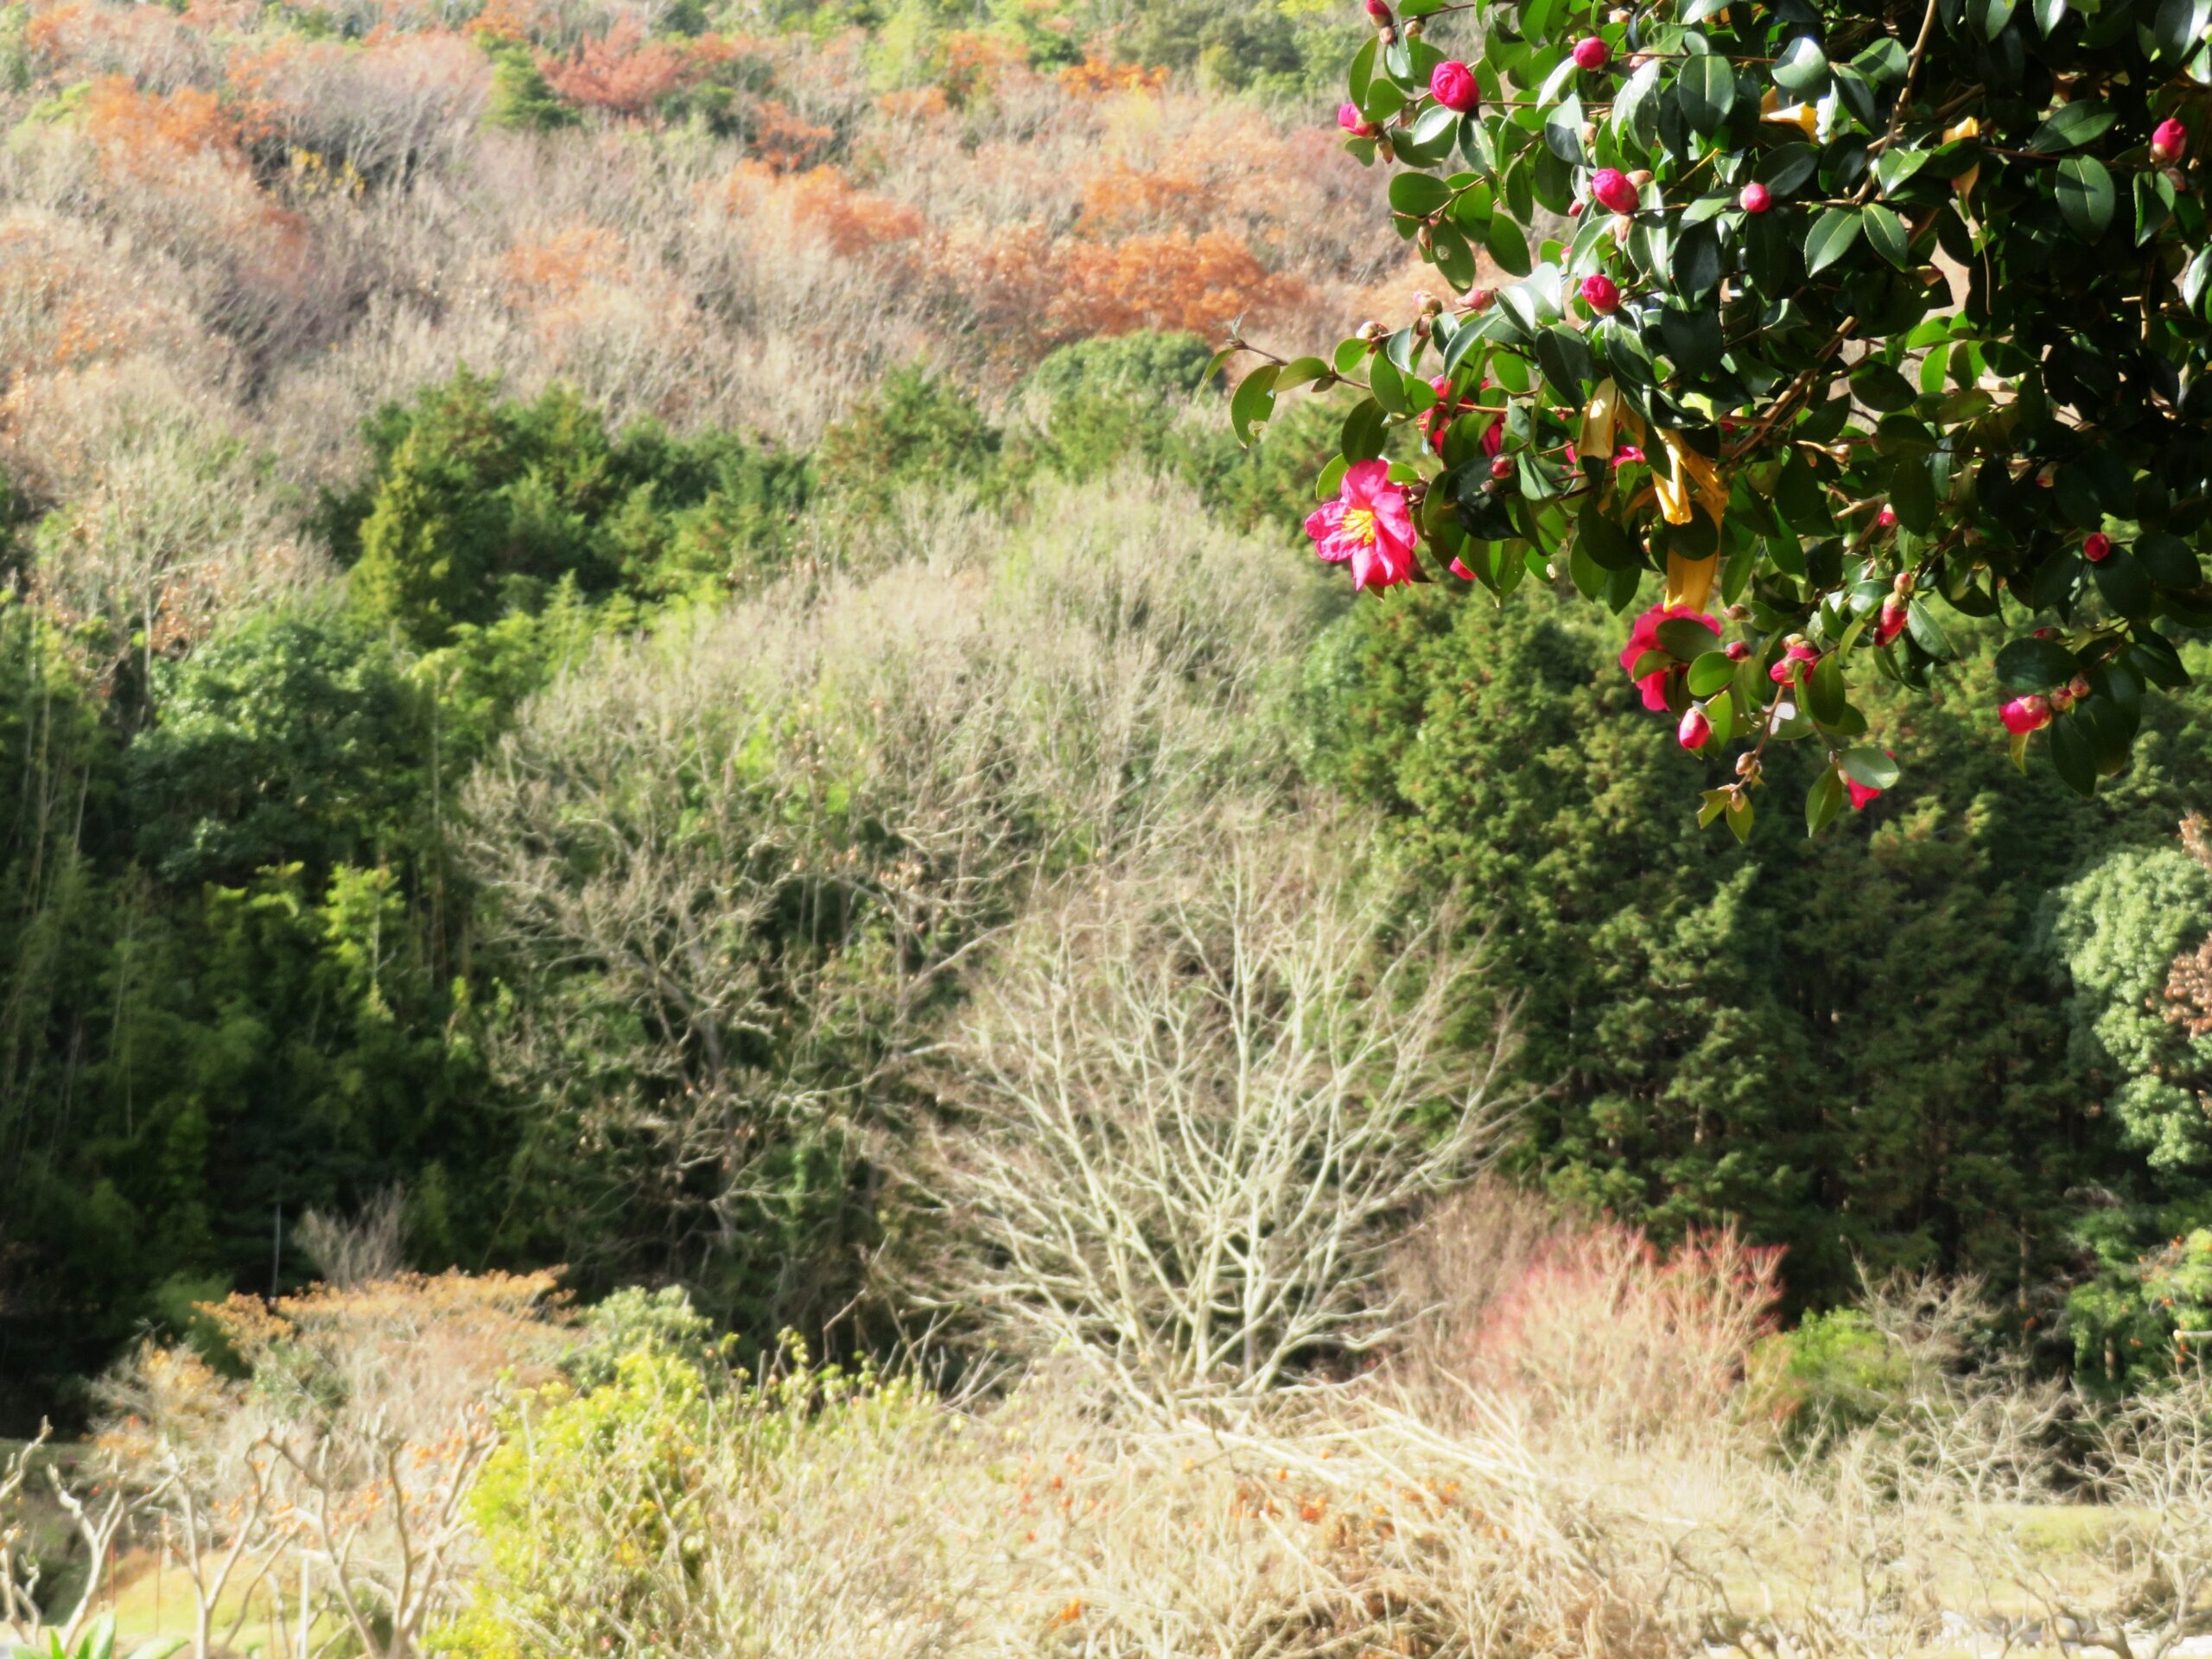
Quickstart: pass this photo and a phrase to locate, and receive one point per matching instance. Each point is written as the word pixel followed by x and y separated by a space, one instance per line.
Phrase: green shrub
pixel 634 1320
pixel 521 96
pixel 1835 1372
pixel 476 505
pixel 292 738
pixel 1102 401
pixel 916 427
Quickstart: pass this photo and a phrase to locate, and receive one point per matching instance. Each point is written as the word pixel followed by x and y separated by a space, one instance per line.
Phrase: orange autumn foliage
pixel 823 202
pixel 1119 197
pixel 147 131
pixel 1165 281
pixel 558 269
pixel 621 72
pixel 1098 77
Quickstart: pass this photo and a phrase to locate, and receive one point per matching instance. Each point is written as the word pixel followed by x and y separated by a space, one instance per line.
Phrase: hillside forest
pixel 713 941
pixel 579 577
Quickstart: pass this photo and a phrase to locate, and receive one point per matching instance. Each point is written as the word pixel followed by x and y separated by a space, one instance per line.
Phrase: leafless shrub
pixel 370 1246
pixel 1190 1103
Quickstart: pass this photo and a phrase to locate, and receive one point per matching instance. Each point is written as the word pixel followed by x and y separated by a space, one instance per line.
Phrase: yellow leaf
pixel 1596 438
pixel 1691 475
pixel 1689 580
pixel 1963 183
pixel 1804 116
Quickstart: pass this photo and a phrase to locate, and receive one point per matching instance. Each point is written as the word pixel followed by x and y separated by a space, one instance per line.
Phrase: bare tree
pixel 369 1246
pixel 1191 1107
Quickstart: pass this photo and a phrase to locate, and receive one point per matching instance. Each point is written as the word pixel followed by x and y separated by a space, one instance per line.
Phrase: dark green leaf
pixel 1870 768
pixel 1802 70
pixel 1685 638
pixel 1823 801
pixel 1419 194
pixel 1885 233
pixel 1361 439
pixel 2033 664
pixel 1252 402
pixel 2072 755
pixel 1825 698
pixel 1696 264
pixel 2072 125
pixel 1710 671
pixel 2120 578
pixel 1830 239
pixel 2167 559
pixel 1705 91
pixel 2086 196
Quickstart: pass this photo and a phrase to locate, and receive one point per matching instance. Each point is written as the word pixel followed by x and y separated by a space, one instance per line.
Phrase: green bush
pixel 916 427
pixel 293 738
pixel 477 505
pixel 1835 1373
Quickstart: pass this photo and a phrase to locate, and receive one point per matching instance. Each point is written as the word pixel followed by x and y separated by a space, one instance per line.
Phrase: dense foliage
pixel 1856 309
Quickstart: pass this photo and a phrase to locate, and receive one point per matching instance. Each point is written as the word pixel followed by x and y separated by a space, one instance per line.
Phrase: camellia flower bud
pixel 1354 124
pixel 1611 189
pixel 2096 547
pixel 1904 583
pixel 1601 294
pixel 1747 765
pixel 1452 84
pixel 1591 53
pixel 1501 468
pixel 1429 304
pixel 1756 198
pixel 1370 331
pixel 1381 13
pixel 1695 729
pixel 1641 177
pixel 2026 714
pixel 2168 140
pixel 2046 633
pixel 1737 650
pixel 2061 699
pixel 1481 299
pixel 1887 519
pixel 2079 685
pixel 1893 620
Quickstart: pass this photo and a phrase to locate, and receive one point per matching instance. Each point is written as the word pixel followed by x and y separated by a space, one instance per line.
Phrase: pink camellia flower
pixel 1893 620
pixel 2168 140
pixel 1452 84
pixel 1756 198
pixel 1696 729
pixel 1601 294
pixel 2026 714
pixel 2096 547
pixel 1611 190
pixel 1368 526
pixel 1459 569
pixel 1626 455
pixel 1494 438
pixel 1355 124
pixel 1796 662
pixel 1591 53
pixel 1643 636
